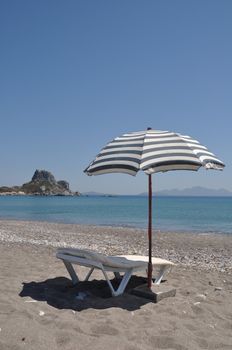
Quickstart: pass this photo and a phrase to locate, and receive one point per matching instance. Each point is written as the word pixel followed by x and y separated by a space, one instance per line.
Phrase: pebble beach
pixel 39 308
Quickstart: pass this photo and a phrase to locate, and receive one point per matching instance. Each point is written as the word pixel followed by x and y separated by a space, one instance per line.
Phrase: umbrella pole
pixel 149 273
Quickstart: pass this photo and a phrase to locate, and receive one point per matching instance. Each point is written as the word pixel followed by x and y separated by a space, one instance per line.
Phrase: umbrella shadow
pixel 60 293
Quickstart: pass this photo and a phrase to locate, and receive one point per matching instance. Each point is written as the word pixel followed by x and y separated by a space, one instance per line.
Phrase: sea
pixel 179 214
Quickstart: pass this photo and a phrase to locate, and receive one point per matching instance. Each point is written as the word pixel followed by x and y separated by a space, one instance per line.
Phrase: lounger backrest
pixel 117 262
pixel 85 253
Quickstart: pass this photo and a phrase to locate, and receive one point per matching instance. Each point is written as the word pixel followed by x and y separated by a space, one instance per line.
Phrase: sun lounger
pixel 117 264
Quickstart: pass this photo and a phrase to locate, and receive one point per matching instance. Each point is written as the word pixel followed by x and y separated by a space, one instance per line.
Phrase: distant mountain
pixel 193 191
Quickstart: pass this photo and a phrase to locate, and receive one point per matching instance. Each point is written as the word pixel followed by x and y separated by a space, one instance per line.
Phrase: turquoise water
pixel 198 214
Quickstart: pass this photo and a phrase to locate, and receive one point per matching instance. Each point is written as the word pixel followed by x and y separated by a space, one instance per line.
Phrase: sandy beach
pixel 39 308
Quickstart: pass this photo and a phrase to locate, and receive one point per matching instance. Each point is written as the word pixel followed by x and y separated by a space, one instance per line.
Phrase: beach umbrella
pixel 152 151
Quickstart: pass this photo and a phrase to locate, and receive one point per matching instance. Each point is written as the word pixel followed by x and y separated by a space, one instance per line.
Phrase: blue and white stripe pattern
pixel 152 151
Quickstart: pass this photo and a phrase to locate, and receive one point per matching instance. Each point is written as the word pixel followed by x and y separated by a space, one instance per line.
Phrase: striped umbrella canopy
pixel 152 151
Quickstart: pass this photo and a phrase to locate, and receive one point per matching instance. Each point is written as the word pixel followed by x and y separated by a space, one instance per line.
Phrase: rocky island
pixel 43 183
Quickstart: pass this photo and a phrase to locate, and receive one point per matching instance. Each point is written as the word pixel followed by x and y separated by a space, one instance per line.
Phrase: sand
pixel 39 308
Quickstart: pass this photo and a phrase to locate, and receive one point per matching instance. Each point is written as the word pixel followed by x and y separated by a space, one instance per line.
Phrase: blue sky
pixel 75 74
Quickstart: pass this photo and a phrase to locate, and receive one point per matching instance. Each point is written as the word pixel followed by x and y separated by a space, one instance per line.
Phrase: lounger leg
pixel 160 275
pixel 71 271
pixel 73 274
pixel 89 274
pixel 117 275
pixel 122 284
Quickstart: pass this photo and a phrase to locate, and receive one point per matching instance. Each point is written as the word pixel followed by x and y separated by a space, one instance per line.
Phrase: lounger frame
pixel 123 280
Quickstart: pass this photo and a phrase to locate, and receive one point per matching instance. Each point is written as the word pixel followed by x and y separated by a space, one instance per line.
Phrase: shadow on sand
pixel 61 294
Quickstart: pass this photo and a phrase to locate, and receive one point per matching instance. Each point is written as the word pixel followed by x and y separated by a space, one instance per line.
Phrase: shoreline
pixel 124 227
pixel 203 251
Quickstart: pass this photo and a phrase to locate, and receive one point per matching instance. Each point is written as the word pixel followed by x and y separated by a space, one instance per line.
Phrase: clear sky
pixel 75 74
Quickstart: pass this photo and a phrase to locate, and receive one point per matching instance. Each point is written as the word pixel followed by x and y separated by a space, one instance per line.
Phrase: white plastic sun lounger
pixel 117 264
